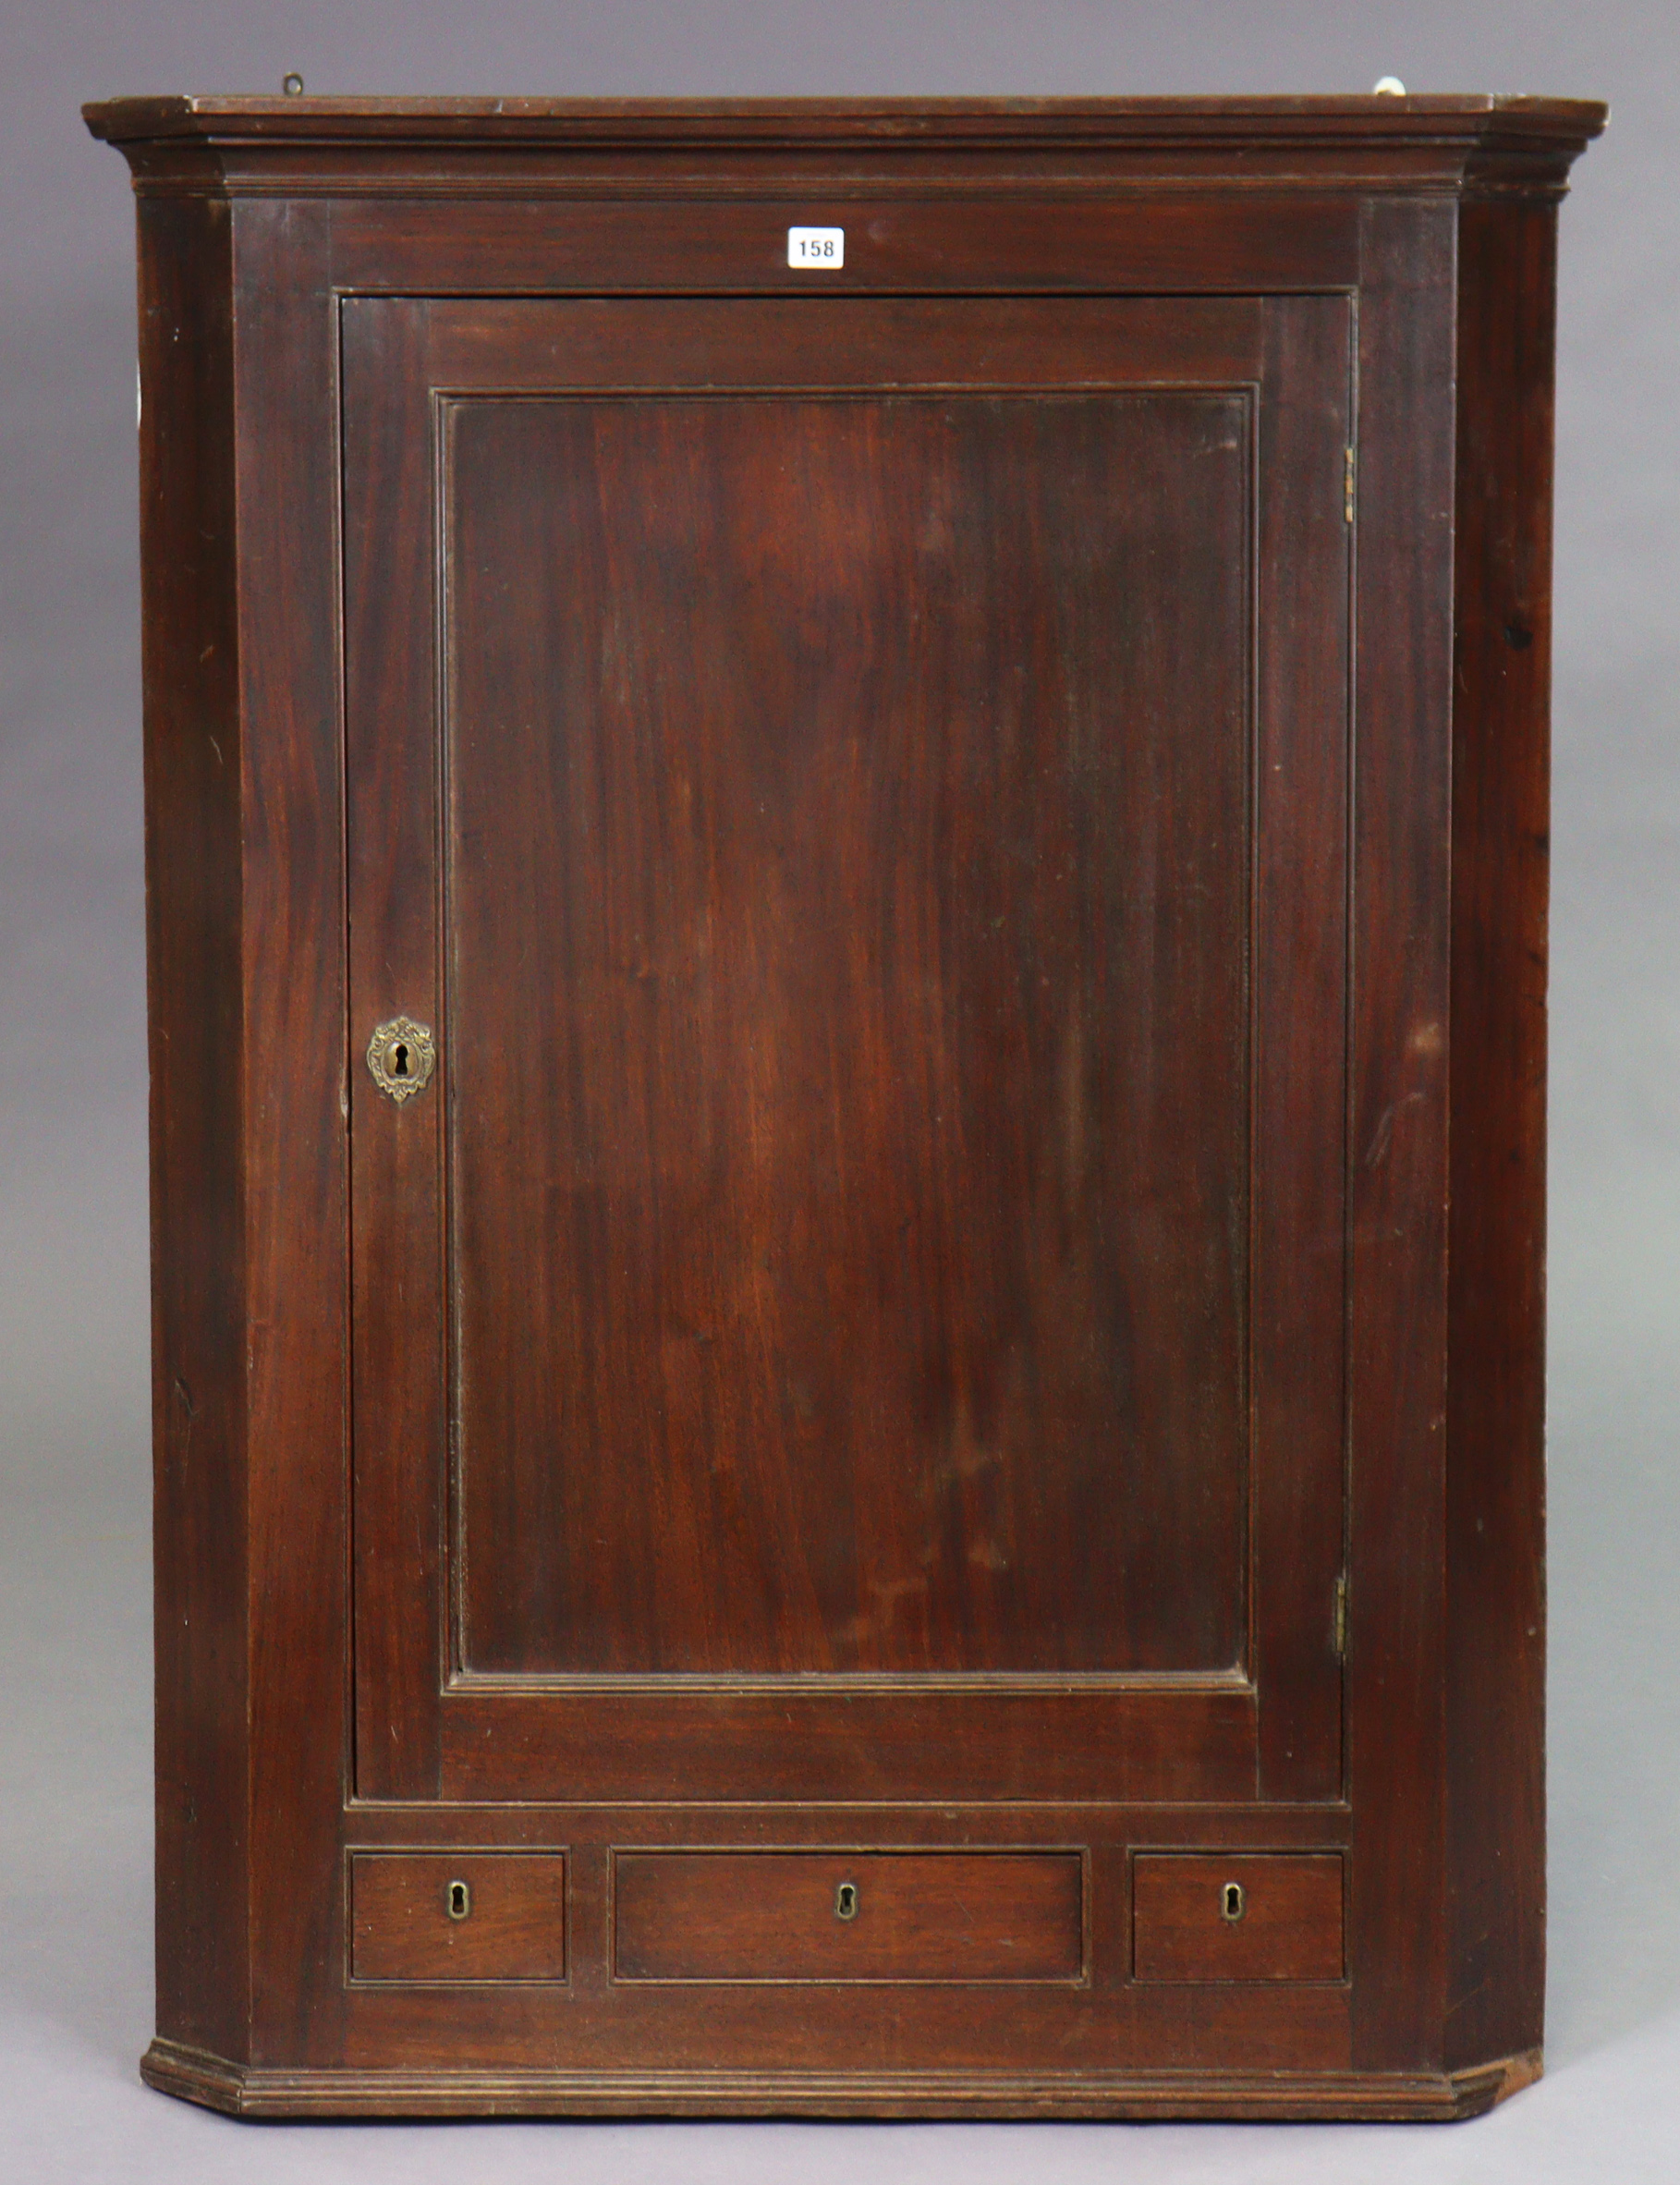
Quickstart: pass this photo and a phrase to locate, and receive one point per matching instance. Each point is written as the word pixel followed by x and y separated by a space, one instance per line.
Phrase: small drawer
pixel 1276 1915
pixel 458 1915
pixel 848 1915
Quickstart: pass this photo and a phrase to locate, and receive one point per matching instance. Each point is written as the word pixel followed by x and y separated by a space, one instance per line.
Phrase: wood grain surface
pixel 1501 833
pixel 1288 1926
pixel 735 1915
pixel 965 1301
pixel 844 916
pixel 512 1926
pixel 848 933
pixel 195 1000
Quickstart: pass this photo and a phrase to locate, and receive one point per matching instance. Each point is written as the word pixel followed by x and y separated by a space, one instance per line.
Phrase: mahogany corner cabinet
pixel 846 815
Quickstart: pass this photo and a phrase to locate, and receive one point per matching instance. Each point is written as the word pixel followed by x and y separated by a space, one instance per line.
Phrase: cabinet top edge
pixel 1479 120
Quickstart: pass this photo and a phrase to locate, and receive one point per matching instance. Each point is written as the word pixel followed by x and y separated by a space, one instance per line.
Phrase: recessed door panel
pixel 847 824
pixel 817 1326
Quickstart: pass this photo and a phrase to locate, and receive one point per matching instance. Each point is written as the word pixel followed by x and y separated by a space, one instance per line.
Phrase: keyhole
pixel 457 1900
pixel 399 1064
pixel 846 1901
pixel 1231 1902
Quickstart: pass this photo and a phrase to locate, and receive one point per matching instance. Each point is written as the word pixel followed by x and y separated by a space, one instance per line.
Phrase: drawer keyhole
pixel 457 1900
pixel 846 1901
pixel 1231 1902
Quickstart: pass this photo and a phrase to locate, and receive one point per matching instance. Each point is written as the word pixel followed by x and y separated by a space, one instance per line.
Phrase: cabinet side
pixel 190 666
pixel 1495 1685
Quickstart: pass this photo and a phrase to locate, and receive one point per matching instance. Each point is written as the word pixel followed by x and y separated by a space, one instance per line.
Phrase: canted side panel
pixel 1496 1364
pixel 194 982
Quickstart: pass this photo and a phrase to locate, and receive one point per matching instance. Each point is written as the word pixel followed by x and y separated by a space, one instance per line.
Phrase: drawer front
pixel 1277 1916
pixel 848 1915
pixel 457 1916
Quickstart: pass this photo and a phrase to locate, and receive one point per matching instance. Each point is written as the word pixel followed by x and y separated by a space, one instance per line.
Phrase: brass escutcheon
pixel 1233 1903
pixel 457 1899
pixel 846 1901
pixel 402 1055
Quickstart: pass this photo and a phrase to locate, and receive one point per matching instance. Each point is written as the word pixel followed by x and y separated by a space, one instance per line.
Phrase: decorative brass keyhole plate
pixel 402 1055
pixel 457 1900
pixel 1233 1903
pixel 846 1901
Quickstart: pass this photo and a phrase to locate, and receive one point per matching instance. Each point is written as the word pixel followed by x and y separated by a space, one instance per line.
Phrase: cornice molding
pixel 853 147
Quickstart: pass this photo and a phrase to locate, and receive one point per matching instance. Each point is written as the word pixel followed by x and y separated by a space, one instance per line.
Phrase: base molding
pixel 251 2090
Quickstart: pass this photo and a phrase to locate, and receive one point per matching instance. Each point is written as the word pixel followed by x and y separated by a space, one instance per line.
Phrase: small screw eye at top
pixel 292 85
pixel 1388 87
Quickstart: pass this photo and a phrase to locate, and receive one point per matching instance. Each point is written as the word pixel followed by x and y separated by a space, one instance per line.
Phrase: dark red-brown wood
pixel 965 1302
pixel 1234 1918
pixel 1398 1657
pixel 195 993
pixel 893 1034
pixel 847 1916
pixel 420 1917
pixel 848 858
pixel 1496 1455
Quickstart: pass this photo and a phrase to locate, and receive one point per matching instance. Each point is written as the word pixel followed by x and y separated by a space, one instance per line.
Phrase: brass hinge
pixel 1341 1618
pixel 1348 484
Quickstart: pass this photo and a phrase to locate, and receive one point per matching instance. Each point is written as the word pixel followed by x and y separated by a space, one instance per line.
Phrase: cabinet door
pixel 856 791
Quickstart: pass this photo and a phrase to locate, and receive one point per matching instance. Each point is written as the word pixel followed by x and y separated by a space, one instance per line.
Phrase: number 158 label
pixel 822 249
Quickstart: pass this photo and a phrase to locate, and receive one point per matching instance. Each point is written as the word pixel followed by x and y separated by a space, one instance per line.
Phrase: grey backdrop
pixel 75 1827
